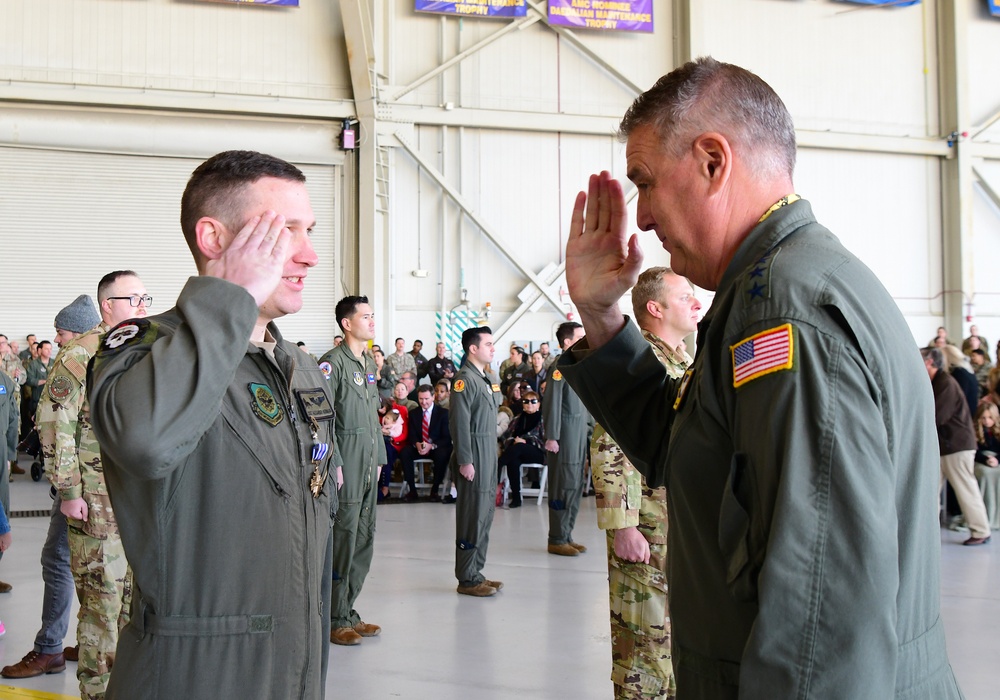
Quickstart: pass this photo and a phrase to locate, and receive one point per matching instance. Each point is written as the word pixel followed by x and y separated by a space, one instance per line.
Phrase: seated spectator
pixel 386 375
pixel 509 409
pixel 442 393
pixel 941 339
pixel 537 374
pixel 429 438
pixel 399 395
pixel 440 366
pixel 409 379
pixel 959 369
pixel 394 432
pixel 516 370
pixel 992 387
pixel 975 341
pixel 987 451
pixel 981 368
pixel 523 443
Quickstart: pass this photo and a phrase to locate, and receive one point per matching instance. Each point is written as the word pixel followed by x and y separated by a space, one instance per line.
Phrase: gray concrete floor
pixel 544 636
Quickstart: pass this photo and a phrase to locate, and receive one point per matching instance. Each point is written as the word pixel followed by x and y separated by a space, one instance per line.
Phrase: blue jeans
pixel 58 578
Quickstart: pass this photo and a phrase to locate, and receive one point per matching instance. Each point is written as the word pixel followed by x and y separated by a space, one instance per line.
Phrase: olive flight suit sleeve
pixel 634 403
pixel 460 416
pixel 12 422
pixel 807 524
pixel 552 407
pixel 152 398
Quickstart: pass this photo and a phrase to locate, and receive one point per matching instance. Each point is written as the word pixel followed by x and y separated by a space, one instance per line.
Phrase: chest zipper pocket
pixel 275 484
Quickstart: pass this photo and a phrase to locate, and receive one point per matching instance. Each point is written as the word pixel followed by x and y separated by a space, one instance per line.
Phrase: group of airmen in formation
pixel 793 458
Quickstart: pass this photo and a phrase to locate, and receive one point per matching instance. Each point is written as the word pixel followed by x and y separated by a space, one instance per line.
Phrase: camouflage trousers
pixel 640 630
pixel 104 586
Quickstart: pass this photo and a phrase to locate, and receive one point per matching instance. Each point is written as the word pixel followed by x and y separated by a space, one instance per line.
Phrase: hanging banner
pixel 475 8
pixel 288 3
pixel 994 7
pixel 620 15
pixel 884 3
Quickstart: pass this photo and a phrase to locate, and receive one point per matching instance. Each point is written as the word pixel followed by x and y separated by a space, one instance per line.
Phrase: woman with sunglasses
pixel 523 444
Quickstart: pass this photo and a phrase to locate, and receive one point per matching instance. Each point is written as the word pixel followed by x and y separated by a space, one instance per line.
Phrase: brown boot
pixel 14 469
pixel 494 584
pixel 5 587
pixel 367 630
pixel 578 547
pixel 345 636
pixel 479 590
pixel 35 664
pixel 73 653
pixel 563 550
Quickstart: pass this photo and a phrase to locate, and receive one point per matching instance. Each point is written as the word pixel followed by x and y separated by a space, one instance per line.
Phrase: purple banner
pixel 621 15
pixel 475 8
pixel 289 3
pixel 884 3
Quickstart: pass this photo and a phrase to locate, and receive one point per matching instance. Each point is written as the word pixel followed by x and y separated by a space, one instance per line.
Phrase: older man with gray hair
pixel 798 451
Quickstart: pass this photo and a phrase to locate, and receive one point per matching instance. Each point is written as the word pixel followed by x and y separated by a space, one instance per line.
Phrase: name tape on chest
pixel 766 352
pixel 315 403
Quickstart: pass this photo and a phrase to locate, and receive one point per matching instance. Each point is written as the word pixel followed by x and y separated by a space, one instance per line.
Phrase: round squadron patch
pixel 264 405
pixel 325 368
pixel 60 388
pixel 459 385
pixel 130 332
pixel 359 378
pixel 557 376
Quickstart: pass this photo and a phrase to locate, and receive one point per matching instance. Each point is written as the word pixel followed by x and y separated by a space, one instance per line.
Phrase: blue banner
pixel 886 3
pixel 621 15
pixel 994 7
pixel 289 3
pixel 475 8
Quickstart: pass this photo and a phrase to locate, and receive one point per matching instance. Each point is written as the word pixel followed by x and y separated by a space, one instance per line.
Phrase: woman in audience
pixel 987 471
pixel 386 375
pixel 537 374
pixel 516 370
pixel 523 444
pixel 394 431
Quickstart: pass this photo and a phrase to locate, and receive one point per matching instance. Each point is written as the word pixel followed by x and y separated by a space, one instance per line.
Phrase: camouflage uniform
pixel 73 465
pixel 640 622
pixel 10 364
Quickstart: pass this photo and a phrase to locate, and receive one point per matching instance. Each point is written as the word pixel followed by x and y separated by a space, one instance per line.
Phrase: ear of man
pixel 714 156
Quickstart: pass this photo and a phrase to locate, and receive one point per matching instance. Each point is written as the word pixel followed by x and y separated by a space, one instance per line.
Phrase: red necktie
pixel 425 433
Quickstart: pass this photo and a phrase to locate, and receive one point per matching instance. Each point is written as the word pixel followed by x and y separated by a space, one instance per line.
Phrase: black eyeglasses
pixel 529 400
pixel 136 299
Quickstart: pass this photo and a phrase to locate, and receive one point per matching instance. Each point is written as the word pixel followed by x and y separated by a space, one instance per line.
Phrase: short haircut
pixel 398 339
pixel 978 351
pixel 649 287
pixel 217 189
pixel 40 343
pixel 301 344
pixel 3 336
pixel 565 331
pixel 408 373
pixel 425 389
pixel 708 95
pixel 934 355
pixel 104 286
pixel 471 336
pixel 346 308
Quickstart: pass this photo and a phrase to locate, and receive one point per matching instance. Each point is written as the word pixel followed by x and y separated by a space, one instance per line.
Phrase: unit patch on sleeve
pixel 60 387
pixel 769 351
pixel 459 385
pixel 557 376
pixel 135 330
pixel 325 368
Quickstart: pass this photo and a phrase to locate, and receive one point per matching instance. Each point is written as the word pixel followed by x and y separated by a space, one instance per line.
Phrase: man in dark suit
pixel 428 438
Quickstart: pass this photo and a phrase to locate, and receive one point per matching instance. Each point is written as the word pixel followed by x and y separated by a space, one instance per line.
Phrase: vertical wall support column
pixel 372 226
pixel 957 171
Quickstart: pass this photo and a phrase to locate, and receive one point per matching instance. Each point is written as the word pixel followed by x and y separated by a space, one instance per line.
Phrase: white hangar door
pixel 69 216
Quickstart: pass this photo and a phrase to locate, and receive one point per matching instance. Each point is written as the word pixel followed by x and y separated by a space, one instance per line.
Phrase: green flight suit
pixel 209 446
pixel 567 422
pixel 804 548
pixel 472 418
pixel 9 416
pixel 360 451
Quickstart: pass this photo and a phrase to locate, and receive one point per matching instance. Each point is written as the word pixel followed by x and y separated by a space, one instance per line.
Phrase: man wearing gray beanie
pixel 79 317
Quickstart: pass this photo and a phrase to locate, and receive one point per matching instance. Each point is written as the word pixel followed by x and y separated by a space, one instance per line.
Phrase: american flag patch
pixel 769 351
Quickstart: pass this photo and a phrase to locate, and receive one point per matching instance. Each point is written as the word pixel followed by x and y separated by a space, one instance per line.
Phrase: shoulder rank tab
pixel 766 352
pixel 757 284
